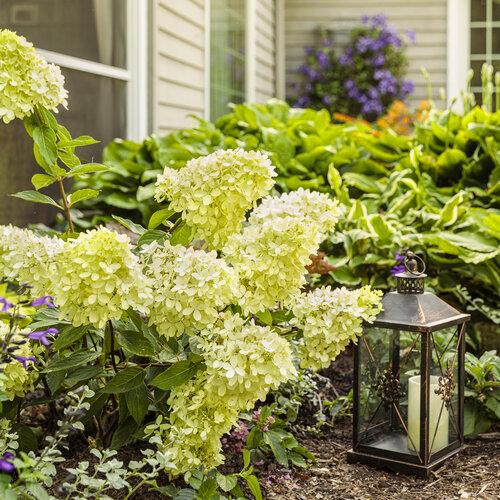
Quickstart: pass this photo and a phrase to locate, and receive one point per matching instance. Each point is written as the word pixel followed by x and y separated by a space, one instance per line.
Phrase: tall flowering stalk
pixel 365 78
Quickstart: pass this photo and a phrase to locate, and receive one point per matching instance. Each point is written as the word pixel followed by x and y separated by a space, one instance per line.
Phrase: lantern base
pixel 398 465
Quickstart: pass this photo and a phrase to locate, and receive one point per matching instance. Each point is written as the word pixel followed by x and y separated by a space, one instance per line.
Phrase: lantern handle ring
pixel 411 265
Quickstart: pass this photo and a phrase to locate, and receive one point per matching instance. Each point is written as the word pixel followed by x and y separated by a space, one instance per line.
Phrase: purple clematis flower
pixel 6 304
pixel 411 36
pixel 42 335
pixel 43 301
pixel 399 256
pixel 23 360
pixel 322 59
pixel 326 100
pixel 399 268
pixel 6 466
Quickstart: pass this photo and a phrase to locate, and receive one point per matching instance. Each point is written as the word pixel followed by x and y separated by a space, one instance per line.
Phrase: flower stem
pixel 112 345
pixel 66 206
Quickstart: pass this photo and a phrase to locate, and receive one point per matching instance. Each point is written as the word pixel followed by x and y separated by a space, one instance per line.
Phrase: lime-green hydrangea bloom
pixel 330 319
pixel 215 192
pixel 302 204
pixel 96 277
pixel 26 79
pixel 27 257
pixel 189 286
pixel 270 259
pixel 14 378
pixel 244 361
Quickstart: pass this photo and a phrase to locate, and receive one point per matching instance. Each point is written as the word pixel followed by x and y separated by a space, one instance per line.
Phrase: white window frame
pixel 458 48
pixel 135 76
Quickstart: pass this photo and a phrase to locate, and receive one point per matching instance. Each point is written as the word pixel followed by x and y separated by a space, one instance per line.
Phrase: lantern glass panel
pixel 387 360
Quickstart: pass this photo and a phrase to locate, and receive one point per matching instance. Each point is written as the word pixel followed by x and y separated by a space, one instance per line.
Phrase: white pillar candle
pixel 435 404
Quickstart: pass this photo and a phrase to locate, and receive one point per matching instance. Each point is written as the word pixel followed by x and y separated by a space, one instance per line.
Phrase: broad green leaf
pixel 124 434
pixel 45 139
pixel 68 335
pixel 159 217
pixel 137 402
pixel 125 380
pixel 273 439
pixel 381 227
pixel 207 489
pixel 41 180
pixel 254 486
pixel 344 276
pixel 152 235
pixel 146 192
pixel 226 483
pixel 362 182
pixel 132 226
pixel 135 342
pixel 181 235
pixel 83 373
pixel 265 317
pixel 122 200
pixel 246 458
pixel 82 194
pixel 254 437
pixel 26 437
pixel 176 375
pixel 83 140
pixel 88 168
pixel 73 360
pixel 36 197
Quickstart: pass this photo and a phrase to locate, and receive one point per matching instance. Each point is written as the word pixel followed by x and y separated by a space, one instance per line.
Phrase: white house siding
pixel 427 18
pixel 178 80
pixel 265 50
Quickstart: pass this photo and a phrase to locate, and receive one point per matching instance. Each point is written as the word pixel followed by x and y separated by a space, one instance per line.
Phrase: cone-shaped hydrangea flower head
pixel 14 376
pixel 26 79
pixel 97 278
pixel 302 204
pixel 214 192
pixel 270 259
pixel 330 319
pixel 189 286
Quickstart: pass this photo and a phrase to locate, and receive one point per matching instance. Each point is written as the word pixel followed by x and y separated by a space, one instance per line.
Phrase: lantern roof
pixel 417 312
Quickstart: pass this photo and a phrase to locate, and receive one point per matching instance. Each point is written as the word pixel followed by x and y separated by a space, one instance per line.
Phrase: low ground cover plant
pixel 145 340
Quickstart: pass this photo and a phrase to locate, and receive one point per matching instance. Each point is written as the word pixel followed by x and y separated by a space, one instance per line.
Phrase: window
pixel 227 55
pixel 484 39
pixel 95 42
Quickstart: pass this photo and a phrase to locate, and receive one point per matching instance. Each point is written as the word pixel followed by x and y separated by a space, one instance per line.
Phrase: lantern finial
pixel 412 280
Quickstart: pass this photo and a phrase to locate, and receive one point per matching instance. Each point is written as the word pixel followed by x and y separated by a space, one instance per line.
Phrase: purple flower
pixel 398 256
pixel 6 304
pixel 378 60
pixel 309 51
pixel 399 268
pixel 322 59
pixel 377 107
pixel 327 42
pixel 365 19
pixel 326 100
pixel 372 93
pixel 363 44
pixel 4 465
pixel 407 87
pixel 41 335
pixel 345 60
pixel 23 360
pixel 379 20
pixel 303 101
pixel 349 84
pixel 43 301
pixel 411 36
pixel 366 107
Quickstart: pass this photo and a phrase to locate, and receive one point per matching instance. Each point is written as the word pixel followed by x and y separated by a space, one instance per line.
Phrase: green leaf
pixel 254 437
pixel 207 489
pixel 273 439
pixel 125 380
pixel 130 225
pixel 41 180
pixel 83 373
pixel 226 483
pixel 74 359
pixel 82 194
pixel 345 276
pixel 181 235
pixel 254 486
pixel 45 139
pixel 27 437
pixel 246 458
pixel 145 192
pixel 122 200
pixel 124 434
pixel 159 217
pixel 136 343
pixel 152 235
pixel 137 402
pixel 83 140
pixel 176 375
pixel 265 317
pixel 36 197
pixel 87 168
pixel 68 335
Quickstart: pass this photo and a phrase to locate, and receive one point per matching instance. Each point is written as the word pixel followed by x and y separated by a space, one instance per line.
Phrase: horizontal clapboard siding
pixel 427 18
pixel 265 50
pixel 179 63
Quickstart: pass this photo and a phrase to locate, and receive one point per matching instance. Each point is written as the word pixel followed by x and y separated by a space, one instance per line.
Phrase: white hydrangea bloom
pixel 245 361
pixel 270 259
pixel 96 277
pixel 189 286
pixel 215 192
pixel 25 256
pixel 330 319
pixel 26 79
pixel 302 204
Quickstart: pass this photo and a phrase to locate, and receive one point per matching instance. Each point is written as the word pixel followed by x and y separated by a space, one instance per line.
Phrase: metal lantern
pixel 409 380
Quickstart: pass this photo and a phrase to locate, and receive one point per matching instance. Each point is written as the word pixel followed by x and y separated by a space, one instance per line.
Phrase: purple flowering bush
pixel 365 79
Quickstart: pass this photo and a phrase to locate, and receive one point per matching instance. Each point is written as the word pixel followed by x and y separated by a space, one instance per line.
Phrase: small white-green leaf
pixel 36 197
pixel 41 180
pixel 159 217
pixel 82 194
